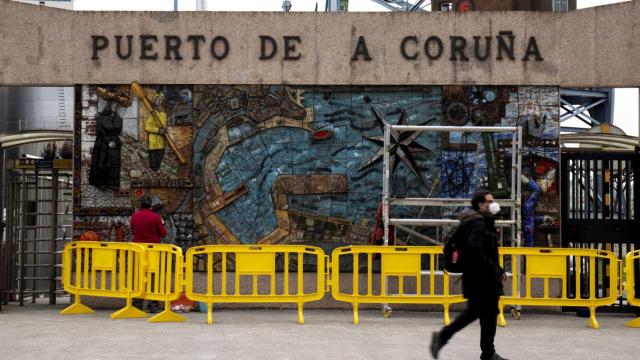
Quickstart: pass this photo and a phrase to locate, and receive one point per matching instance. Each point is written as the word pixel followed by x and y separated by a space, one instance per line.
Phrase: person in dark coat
pixel 105 156
pixel 482 276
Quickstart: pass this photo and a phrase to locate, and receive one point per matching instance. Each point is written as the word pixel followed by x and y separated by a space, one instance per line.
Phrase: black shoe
pixel 495 356
pixel 436 344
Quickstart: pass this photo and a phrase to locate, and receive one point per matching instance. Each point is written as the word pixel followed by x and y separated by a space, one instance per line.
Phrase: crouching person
pixel 147 227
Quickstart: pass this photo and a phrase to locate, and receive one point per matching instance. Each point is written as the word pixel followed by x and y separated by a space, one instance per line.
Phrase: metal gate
pixel 600 204
pixel 39 220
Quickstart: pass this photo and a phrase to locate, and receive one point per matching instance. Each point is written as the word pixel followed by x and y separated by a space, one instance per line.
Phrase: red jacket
pixel 377 237
pixel 147 227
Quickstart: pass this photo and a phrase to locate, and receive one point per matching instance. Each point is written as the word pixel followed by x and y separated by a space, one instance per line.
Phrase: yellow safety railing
pixel 163 278
pixel 400 262
pixel 632 266
pixel 229 265
pixel 586 278
pixel 103 269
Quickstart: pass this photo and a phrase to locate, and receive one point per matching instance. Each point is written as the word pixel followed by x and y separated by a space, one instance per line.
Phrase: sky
pixel 625 102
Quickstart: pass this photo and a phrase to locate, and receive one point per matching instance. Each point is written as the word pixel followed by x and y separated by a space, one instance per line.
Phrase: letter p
pixel 98 42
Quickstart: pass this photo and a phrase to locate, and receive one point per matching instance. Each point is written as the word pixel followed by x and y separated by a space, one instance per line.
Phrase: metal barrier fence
pixel 163 278
pixel 400 262
pixel 103 269
pixel 406 275
pixel 632 285
pixel 255 262
pixel 587 278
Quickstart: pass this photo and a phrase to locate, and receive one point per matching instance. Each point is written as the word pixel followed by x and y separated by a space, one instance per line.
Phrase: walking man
pixel 482 276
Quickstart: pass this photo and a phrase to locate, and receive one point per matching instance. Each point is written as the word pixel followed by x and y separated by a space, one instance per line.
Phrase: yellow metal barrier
pixel 587 278
pixel 103 269
pixel 163 278
pixel 399 262
pixel 632 264
pixel 255 262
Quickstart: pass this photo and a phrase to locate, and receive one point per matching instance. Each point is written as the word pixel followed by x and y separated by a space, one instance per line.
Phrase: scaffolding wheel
pixel 515 313
pixel 386 311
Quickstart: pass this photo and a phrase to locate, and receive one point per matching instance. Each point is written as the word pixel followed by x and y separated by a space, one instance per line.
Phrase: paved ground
pixel 37 332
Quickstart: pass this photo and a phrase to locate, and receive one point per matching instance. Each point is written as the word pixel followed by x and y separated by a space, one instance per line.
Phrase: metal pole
pixel 3 274
pixel 461 129
pixel 3 185
pixel 386 309
pixel 10 236
pixel 21 245
pixel 37 232
pixel 441 222
pixel 518 219
pixel 385 183
pixel 514 181
pixel 519 194
pixel 54 236
pixel 444 201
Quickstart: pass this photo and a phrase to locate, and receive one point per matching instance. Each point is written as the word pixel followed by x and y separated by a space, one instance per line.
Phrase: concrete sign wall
pixel 591 47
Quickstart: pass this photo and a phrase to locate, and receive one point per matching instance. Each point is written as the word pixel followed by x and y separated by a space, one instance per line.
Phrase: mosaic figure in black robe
pixel 105 157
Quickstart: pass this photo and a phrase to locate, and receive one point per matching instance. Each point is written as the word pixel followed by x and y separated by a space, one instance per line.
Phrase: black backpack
pixel 454 248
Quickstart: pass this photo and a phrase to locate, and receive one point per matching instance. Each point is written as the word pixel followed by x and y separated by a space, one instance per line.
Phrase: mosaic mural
pixel 302 164
pixel 483 160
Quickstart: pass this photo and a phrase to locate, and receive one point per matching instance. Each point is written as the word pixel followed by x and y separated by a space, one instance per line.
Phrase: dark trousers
pixel 484 309
pixel 155 158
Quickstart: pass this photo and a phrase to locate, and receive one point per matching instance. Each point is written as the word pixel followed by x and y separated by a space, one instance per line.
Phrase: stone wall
pixel 595 47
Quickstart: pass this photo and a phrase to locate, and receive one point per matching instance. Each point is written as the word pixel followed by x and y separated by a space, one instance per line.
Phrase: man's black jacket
pixel 482 274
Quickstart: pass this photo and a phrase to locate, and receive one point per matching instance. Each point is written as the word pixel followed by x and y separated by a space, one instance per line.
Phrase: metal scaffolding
pixel 513 203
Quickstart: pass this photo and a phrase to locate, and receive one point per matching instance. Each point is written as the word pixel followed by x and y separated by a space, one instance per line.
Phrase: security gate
pixel 39 220
pixel 600 205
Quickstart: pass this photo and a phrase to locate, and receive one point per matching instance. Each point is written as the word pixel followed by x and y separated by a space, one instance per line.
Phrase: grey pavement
pixel 38 332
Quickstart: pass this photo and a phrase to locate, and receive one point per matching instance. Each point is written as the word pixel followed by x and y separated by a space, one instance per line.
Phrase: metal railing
pixel 586 278
pixel 163 278
pixel 228 265
pixel 632 284
pixel 417 264
pixel 104 269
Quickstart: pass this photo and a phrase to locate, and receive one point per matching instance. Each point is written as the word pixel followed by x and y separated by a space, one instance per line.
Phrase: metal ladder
pixel 63 123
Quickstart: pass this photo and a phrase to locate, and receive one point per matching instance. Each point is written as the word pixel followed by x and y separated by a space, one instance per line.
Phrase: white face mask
pixel 494 208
